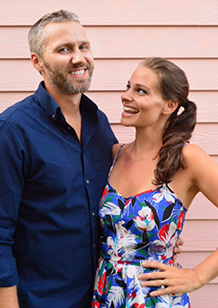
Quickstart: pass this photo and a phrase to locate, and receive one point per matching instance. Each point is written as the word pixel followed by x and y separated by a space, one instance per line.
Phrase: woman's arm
pixel 177 280
pixel 203 174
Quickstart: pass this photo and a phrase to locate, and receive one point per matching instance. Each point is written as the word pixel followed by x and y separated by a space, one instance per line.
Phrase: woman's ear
pixel 170 107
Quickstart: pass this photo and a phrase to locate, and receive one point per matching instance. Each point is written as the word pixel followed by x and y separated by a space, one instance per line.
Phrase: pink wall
pixel 122 33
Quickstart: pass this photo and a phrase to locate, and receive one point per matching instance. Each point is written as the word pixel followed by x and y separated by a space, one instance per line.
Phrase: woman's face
pixel 143 104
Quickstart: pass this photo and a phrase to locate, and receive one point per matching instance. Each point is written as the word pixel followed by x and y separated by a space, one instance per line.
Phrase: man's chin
pixel 74 90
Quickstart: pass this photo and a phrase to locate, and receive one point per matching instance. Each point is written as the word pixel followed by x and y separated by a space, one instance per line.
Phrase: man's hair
pixel 37 35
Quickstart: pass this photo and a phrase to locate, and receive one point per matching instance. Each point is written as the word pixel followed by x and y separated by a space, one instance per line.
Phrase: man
pixel 55 150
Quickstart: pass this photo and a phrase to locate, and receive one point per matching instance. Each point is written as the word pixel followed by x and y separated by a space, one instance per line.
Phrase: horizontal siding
pixel 110 103
pixel 202 74
pixel 122 33
pixel 202 209
pixel 206 297
pixel 206 101
pixel 194 42
pixel 104 12
pixel 205 135
pixel 190 259
pixel 200 235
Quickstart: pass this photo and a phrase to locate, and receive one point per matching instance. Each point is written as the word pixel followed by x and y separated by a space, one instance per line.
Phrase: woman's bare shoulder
pixel 193 151
pixel 195 157
pixel 116 148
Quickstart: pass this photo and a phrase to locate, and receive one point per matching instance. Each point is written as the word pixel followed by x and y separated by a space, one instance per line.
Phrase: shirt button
pixel 93 214
pixel 94 246
pixel 53 116
pixel 87 181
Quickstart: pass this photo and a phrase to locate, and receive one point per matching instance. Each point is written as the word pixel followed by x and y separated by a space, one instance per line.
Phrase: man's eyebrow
pixel 70 43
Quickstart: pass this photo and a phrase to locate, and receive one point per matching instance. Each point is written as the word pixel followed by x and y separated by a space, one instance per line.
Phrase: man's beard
pixel 66 86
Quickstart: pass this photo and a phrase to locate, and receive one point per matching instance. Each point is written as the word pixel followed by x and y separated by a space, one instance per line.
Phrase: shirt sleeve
pixel 107 129
pixel 12 155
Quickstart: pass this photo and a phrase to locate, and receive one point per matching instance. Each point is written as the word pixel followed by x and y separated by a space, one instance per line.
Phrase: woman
pixel 151 185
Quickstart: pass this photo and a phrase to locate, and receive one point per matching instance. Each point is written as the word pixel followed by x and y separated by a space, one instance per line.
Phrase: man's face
pixel 67 61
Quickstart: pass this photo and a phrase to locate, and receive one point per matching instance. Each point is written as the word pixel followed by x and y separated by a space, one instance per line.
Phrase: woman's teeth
pixel 130 110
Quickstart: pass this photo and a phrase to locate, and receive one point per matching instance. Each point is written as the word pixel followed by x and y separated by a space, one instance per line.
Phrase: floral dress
pixel 145 226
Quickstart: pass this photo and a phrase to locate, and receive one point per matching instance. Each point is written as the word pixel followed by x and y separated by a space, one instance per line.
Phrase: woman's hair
pixel 37 35
pixel 173 85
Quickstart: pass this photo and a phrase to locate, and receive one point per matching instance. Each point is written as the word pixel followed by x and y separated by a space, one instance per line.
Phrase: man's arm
pixel 11 179
pixel 8 297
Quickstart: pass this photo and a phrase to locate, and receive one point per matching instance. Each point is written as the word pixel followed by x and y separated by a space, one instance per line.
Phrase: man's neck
pixel 70 107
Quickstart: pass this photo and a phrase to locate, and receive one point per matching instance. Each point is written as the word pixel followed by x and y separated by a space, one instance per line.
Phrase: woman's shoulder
pixel 116 148
pixel 191 150
pixel 195 156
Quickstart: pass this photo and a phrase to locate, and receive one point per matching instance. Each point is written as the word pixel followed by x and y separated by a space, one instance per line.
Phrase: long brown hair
pixel 173 85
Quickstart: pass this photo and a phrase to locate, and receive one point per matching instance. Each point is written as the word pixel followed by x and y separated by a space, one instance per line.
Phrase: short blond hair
pixel 37 36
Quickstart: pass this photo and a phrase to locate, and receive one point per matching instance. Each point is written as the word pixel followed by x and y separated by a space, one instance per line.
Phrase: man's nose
pixel 78 56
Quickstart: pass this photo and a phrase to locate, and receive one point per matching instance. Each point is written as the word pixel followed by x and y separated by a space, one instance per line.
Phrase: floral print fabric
pixel 143 227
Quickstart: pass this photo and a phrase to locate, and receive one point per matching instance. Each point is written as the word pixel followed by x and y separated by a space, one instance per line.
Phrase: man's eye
pixel 83 47
pixel 64 49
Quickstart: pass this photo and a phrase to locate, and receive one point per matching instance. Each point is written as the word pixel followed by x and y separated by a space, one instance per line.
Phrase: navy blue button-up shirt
pixel 50 186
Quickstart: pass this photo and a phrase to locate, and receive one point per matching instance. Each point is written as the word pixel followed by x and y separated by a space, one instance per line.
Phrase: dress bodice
pixel 144 226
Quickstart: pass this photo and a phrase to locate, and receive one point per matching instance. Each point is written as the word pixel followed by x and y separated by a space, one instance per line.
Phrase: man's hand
pixel 8 297
pixel 177 250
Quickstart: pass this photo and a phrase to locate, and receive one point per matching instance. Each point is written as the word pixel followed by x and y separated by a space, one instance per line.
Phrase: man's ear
pixel 170 107
pixel 36 62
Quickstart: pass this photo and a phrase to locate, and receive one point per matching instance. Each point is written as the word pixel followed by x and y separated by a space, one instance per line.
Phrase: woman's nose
pixel 126 96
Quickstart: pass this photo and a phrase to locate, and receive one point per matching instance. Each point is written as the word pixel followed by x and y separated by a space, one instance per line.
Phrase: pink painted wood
pixel 184 31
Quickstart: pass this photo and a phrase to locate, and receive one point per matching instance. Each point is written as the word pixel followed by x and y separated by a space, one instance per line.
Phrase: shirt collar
pixel 46 101
pixel 87 107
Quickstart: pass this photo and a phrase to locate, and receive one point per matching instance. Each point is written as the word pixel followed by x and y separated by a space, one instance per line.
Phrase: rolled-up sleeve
pixel 12 155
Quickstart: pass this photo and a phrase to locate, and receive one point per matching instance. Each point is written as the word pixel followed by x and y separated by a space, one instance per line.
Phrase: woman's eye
pixel 141 91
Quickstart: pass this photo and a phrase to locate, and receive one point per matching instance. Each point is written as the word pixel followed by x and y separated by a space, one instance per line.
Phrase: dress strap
pixel 185 144
pixel 115 159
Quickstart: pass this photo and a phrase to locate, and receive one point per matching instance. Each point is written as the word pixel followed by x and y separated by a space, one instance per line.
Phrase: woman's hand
pixel 169 279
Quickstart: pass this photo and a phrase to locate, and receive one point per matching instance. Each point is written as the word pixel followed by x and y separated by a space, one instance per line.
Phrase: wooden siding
pixel 115 12
pixel 122 33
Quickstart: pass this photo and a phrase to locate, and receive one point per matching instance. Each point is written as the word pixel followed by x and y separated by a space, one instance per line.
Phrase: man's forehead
pixel 67 32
